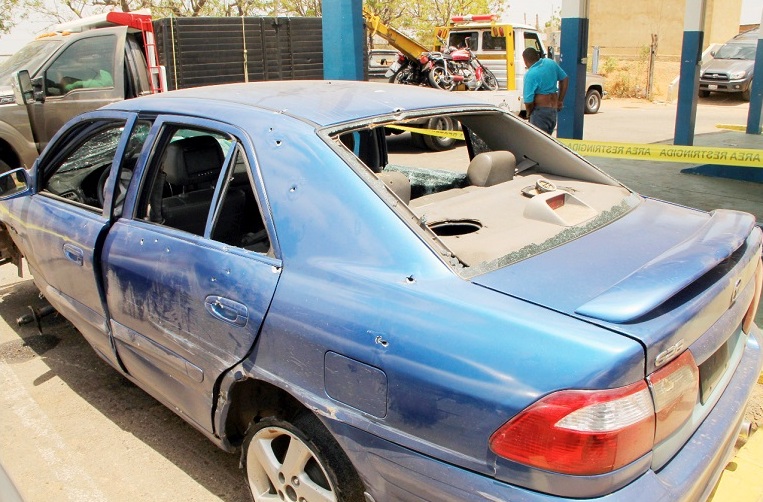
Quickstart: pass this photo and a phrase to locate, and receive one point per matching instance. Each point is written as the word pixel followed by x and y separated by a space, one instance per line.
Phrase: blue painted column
pixel 343 39
pixel 573 50
pixel 756 93
pixel 691 59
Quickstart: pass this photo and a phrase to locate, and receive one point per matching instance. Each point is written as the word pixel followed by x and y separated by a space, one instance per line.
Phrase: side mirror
pixel 550 52
pixel 23 90
pixel 14 183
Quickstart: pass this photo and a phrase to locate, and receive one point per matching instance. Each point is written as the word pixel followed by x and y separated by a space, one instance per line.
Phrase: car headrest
pixel 193 160
pixel 490 168
pixel 398 183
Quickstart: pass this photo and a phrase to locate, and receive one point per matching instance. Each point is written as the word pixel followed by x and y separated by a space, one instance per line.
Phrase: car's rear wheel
pixel 592 101
pixel 704 94
pixel 298 460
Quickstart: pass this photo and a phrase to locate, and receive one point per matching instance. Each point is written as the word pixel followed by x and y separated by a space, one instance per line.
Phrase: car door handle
pixel 227 310
pixel 73 253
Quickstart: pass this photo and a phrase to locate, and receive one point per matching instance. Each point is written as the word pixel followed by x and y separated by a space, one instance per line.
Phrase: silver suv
pixel 731 68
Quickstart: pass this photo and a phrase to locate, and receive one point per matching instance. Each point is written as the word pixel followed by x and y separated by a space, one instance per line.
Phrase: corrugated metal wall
pixel 210 50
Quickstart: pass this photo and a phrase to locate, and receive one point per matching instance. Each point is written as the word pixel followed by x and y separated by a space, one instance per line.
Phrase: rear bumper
pixel 391 472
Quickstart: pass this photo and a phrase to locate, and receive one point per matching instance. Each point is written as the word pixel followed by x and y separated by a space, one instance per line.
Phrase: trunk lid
pixel 662 274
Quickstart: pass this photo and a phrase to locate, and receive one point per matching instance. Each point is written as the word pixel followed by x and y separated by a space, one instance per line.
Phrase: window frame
pixel 72 138
pixel 148 163
pixel 112 57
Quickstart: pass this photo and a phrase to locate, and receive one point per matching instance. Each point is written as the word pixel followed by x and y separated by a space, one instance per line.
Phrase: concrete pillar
pixel 756 93
pixel 343 40
pixel 573 50
pixel 691 60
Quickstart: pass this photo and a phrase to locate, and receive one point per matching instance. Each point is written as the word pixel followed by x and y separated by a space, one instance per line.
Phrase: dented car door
pixel 64 221
pixel 190 273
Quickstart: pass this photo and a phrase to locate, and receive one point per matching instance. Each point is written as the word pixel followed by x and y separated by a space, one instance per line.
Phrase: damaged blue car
pixel 361 320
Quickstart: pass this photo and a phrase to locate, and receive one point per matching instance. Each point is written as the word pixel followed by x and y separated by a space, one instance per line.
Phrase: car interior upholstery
pixel 193 165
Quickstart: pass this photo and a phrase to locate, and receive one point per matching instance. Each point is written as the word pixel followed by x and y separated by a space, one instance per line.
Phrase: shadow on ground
pixel 71 359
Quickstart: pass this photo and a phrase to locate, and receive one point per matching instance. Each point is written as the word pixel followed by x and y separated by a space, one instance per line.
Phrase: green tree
pixel 424 15
pixel 9 10
pixel 390 12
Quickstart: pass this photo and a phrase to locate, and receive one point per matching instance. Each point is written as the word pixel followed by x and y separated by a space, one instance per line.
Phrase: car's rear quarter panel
pixel 456 359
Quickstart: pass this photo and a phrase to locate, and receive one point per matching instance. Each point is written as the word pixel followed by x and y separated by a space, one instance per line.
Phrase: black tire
pixel 746 94
pixel 704 94
pixel 489 81
pixel 400 76
pixel 438 78
pixel 327 471
pixel 435 143
pixel 592 101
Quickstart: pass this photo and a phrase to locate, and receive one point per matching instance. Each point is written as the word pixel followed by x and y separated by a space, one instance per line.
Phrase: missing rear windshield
pixel 486 187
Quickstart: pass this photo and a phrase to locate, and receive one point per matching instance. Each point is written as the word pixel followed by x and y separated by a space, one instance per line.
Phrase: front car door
pixel 86 74
pixel 190 267
pixel 60 227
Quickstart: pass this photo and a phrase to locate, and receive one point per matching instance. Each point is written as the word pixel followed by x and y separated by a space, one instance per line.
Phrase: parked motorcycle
pixel 461 66
pixel 410 71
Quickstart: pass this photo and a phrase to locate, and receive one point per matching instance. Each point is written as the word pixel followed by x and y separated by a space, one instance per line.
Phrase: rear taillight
pixel 580 431
pixel 750 316
pixel 674 389
pixel 587 432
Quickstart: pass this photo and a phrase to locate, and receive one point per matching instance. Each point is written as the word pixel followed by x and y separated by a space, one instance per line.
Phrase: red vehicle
pixel 461 66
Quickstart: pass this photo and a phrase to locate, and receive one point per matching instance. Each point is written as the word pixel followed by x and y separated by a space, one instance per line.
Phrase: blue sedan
pixel 362 323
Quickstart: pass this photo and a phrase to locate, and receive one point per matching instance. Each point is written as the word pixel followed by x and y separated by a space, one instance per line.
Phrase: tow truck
pixel 497 44
pixel 80 66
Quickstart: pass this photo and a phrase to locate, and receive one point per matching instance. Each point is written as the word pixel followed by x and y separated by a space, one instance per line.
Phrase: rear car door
pixel 191 267
pixel 61 226
pixel 86 74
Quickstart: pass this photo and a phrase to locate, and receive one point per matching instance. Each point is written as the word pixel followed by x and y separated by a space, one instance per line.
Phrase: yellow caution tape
pixel 733 127
pixel 742 157
pixel 440 133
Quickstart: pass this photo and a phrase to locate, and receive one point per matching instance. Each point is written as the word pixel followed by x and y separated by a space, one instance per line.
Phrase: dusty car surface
pixel 523 327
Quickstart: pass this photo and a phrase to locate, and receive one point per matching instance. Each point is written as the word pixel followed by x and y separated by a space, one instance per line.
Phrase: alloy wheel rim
pixel 280 466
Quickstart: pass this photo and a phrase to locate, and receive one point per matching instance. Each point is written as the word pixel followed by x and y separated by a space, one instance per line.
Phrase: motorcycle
pixel 461 66
pixel 410 71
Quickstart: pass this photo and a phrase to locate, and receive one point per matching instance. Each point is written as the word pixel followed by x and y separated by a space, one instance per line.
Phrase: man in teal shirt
pixel 542 97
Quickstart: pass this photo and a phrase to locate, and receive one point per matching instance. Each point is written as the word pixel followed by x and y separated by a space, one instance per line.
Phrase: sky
pixel 518 11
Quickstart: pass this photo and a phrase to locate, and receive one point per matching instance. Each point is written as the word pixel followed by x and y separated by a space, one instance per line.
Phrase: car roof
pixel 321 102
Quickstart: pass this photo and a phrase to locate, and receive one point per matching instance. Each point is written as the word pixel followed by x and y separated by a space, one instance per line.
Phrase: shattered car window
pixel 493 190
pixel 97 150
